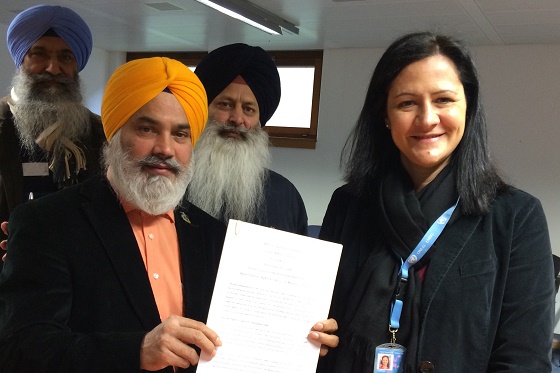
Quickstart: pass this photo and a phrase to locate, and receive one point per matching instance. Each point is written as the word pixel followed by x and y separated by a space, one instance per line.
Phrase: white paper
pixel 272 287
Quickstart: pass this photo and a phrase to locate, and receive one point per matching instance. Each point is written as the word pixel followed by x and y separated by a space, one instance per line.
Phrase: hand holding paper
pixel 169 344
pixel 322 334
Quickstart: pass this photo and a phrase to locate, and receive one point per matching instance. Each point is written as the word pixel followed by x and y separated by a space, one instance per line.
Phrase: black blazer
pixel 488 293
pixel 74 292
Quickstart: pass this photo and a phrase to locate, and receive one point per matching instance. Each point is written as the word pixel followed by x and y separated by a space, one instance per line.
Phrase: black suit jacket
pixel 487 296
pixel 74 292
pixel 11 171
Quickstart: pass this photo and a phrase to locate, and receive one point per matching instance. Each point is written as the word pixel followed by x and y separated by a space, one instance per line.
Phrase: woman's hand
pixel 322 332
pixel 4 243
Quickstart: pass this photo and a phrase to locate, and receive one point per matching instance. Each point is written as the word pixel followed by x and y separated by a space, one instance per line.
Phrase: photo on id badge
pixel 385 362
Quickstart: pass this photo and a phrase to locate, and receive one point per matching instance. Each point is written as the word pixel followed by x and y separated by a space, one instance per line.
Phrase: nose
pixel 53 66
pixel 237 118
pixel 163 146
pixel 428 115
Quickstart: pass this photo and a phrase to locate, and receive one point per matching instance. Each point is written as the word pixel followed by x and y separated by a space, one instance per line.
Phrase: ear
pixel 387 124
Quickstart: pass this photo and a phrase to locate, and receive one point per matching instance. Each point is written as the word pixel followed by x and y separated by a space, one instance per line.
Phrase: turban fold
pixel 221 66
pixel 28 26
pixel 137 82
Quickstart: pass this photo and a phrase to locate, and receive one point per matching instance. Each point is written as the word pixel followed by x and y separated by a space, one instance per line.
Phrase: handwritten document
pixel 272 287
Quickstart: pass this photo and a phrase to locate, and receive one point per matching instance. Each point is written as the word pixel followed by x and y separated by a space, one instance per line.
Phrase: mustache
pixel 48 77
pixel 224 128
pixel 241 131
pixel 153 160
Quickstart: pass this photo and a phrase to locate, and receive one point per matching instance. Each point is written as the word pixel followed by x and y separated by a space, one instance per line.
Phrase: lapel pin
pixel 185 217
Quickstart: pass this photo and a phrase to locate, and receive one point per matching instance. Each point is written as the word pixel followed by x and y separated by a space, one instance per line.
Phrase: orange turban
pixel 137 82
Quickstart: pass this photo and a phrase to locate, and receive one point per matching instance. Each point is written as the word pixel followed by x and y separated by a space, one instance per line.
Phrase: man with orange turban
pixel 116 274
pixel 48 138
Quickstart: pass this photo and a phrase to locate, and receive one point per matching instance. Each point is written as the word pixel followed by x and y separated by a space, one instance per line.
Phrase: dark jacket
pixel 488 294
pixel 11 173
pixel 74 293
pixel 285 209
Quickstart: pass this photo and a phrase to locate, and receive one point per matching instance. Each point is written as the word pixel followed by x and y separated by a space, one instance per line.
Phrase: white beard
pixel 230 173
pixel 153 194
pixel 36 107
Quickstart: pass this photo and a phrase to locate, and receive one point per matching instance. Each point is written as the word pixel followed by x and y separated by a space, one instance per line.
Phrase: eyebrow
pixel 184 126
pixel 437 93
pixel 42 48
pixel 147 119
pixel 232 98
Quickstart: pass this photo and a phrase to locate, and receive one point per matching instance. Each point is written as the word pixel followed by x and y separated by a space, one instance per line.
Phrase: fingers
pixel 170 343
pixel 329 340
pixel 321 334
pixel 326 326
pixel 4 243
pixel 160 350
pixel 198 334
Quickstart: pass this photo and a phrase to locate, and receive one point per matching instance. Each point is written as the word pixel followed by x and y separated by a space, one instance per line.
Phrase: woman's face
pixel 426 111
pixel 385 360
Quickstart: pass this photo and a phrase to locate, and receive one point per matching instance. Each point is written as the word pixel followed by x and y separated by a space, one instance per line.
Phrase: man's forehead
pixel 237 90
pixel 51 43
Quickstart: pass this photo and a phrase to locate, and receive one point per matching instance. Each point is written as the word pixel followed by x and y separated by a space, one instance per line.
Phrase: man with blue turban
pixel 48 139
pixel 234 182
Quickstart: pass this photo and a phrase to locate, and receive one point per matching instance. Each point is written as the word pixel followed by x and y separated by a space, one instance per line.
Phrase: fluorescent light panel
pixel 252 15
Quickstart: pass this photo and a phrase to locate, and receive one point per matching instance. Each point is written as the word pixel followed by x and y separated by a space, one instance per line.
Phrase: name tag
pixel 389 358
pixel 35 169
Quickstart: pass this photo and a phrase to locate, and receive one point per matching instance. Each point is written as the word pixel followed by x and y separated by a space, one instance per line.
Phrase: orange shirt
pixel 159 247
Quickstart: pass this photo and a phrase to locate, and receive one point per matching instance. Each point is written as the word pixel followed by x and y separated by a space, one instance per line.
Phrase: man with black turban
pixel 231 178
pixel 48 139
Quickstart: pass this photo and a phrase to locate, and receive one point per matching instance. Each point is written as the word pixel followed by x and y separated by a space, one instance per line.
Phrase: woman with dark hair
pixel 417 161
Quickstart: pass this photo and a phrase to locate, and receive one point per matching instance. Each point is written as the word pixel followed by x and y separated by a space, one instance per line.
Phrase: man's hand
pixel 322 333
pixel 168 344
pixel 4 243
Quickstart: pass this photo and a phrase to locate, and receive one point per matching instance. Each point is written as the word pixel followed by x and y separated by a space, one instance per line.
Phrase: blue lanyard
pixel 419 251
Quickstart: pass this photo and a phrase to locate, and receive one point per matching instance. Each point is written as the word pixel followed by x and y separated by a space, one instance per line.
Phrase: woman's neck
pixel 422 176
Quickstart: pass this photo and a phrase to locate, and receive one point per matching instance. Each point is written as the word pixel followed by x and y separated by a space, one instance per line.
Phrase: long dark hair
pixel 370 151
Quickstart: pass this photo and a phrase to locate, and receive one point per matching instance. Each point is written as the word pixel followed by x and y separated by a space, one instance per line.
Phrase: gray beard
pixel 153 194
pixel 230 173
pixel 38 106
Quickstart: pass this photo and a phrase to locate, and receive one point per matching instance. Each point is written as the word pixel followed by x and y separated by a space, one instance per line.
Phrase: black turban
pixel 221 66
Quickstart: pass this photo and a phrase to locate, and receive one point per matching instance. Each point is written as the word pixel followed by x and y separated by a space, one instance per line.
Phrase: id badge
pixel 389 358
pixel 35 169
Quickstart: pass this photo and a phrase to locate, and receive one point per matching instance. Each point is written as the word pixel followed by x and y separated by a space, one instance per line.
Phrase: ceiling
pixel 134 25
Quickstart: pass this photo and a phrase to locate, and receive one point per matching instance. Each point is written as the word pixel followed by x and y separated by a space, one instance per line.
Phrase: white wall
pixel 95 75
pixel 7 67
pixel 520 90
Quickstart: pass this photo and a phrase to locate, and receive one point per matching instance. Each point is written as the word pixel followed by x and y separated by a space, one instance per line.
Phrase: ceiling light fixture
pixel 252 15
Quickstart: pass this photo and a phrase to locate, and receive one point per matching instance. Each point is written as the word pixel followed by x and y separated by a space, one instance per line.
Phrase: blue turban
pixel 34 22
